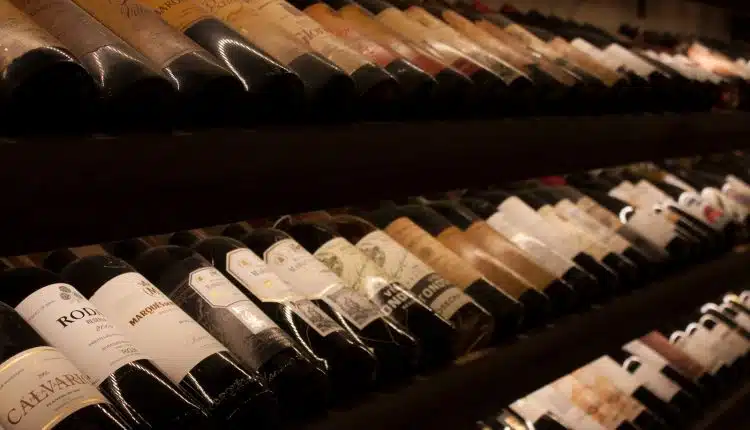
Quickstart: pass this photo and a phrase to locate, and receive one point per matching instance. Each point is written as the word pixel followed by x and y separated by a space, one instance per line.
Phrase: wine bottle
pixel 437 335
pixel 40 77
pixel 728 337
pixel 397 351
pixel 128 84
pixel 561 294
pixel 621 391
pixel 474 325
pixel 607 407
pixel 585 285
pixel 618 246
pixel 515 211
pixel 627 272
pixel 694 345
pixel 418 86
pixel 269 83
pixel 180 348
pixel 97 346
pixel 225 312
pixel 654 390
pixel 489 84
pixel 453 88
pixel 375 86
pixel 507 312
pixel 207 90
pixel 350 365
pixel 74 403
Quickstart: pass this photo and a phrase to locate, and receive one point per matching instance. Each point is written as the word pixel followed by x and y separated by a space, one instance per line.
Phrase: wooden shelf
pixel 455 398
pixel 67 191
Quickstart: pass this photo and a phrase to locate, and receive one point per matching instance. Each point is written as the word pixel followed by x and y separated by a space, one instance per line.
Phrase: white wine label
pixel 724 343
pixel 39 388
pixel 542 254
pixel 515 212
pixel 314 317
pixel 604 235
pixel 253 273
pixel 693 204
pixel 651 377
pixel 581 239
pixel 568 413
pixel 173 340
pixel 609 368
pixel 594 400
pixel 314 280
pixel 653 226
pixel 621 406
pixel 645 353
pixel 636 63
pixel 403 266
pixel 528 410
pixel 364 276
pixel 698 346
pixel 76 327
pixel 649 195
pixel 624 191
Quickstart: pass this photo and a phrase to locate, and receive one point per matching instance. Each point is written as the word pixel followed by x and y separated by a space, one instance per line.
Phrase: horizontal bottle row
pixel 198 62
pixel 664 379
pixel 278 320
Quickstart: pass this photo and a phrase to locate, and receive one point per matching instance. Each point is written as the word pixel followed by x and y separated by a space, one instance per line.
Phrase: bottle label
pixel 39 388
pixel 634 62
pixel 584 61
pixel 410 271
pixel 155 324
pixel 528 410
pixel 447 35
pixel 428 249
pixel 568 413
pixel 651 377
pixel 624 191
pixel 606 236
pixel 142 28
pixel 698 345
pixel 540 253
pixel 579 238
pixel 314 317
pixel 80 33
pixel 620 406
pixel 314 280
pixel 737 193
pixel 598 401
pixel 79 330
pixel 676 357
pixel 180 14
pixel 724 343
pixel 693 204
pixel 517 213
pixel 253 273
pixel 607 367
pixel 743 320
pixel 492 268
pixel 307 31
pixel 379 33
pixel 339 27
pixel 653 226
pixel 645 353
pixel 236 321
pixel 264 34
pixel 363 275
pixel 19 34
pixel 724 202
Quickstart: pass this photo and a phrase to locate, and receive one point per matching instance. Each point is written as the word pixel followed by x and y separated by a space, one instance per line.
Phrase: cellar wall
pixel 675 16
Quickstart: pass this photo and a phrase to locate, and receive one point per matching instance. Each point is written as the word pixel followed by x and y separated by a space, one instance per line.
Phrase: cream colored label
pixel 568 413
pixel 584 61
pixel 141 27
pixel 180 14
pixel 353 266
pixel 651 377
pixel 70 24
pixel 155 324
pixel 614 386
pixel 264 34
pixel 431 251
pixel 606 236
pixel 698 346
pixel 307 31
pixel 579 238
pixel 19 34
pixel 253 273
pixel 82 332
pixel 599 400
pixel 39 388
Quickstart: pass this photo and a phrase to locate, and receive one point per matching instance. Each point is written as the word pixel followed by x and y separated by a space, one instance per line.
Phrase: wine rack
pixel 141 184
pixel 454 398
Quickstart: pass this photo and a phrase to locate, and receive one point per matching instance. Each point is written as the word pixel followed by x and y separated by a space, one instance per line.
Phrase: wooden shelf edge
pixel 458 396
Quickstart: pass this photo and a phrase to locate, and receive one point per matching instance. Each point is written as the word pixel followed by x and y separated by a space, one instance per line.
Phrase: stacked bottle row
pixel 665 379
pixel 278 320
pixel 198 62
